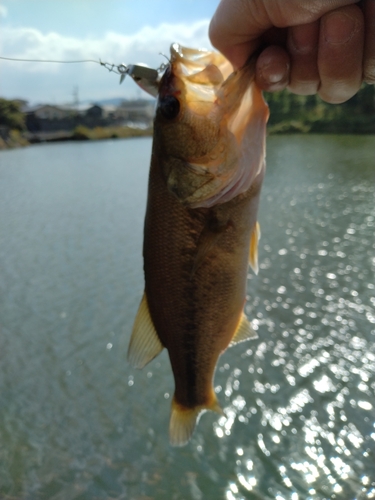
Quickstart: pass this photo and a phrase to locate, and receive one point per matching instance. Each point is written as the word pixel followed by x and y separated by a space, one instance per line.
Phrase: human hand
pixel 314 46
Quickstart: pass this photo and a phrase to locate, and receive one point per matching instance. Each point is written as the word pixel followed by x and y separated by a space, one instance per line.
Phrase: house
pixel 50 112
pixel 51 118
pixel 139 110
pixel 47 117
pixel 94 112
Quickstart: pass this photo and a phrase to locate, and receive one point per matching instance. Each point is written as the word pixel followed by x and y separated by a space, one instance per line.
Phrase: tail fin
pixel 183 420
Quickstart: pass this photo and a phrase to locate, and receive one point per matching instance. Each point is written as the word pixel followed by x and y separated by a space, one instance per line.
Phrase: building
pixel 51 118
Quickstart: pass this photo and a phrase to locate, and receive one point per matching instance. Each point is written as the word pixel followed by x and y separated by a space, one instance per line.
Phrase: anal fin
pixel 244 332
pixel 253 255
pixel 144 344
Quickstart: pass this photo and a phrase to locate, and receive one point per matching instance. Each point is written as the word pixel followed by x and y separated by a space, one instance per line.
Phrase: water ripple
pixel 311 392
pixel 78 422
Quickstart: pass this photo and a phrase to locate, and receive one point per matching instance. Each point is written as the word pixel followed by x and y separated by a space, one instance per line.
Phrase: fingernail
pixel 275 77
pixel 270 80
pixel 338 27
pixel 273 73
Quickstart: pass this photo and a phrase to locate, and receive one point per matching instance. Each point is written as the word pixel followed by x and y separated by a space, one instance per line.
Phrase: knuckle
pixel 213 32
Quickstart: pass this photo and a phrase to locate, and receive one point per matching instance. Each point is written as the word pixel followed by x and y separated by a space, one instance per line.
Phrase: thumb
pixel 237 25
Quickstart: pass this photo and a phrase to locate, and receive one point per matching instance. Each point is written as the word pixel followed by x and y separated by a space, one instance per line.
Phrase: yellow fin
pixel 144 343
pixel 244 332
pixel 253 257
pixel 183 420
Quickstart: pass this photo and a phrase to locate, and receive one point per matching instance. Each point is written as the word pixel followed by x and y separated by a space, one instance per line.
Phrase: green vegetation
pixel 82 133
pixel 293 113
pixel 11 116
pixel 12 123
pixel 14 139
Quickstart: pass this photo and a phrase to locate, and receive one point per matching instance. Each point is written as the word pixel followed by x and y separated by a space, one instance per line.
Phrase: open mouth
pixel 203 73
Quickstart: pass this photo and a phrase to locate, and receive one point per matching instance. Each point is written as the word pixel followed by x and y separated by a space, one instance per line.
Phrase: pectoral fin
pixel 144 343
pixel 253 256
pixel 244 332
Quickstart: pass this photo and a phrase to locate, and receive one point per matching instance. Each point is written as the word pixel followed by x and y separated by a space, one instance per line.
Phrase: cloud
pixel 143 46
pixel 3 11
pixel 41 82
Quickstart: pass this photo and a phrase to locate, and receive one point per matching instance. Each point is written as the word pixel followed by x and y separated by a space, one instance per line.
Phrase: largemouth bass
pixel 201 229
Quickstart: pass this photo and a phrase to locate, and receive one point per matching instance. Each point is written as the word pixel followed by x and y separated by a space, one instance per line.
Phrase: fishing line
pixel 119 69
pixel 47 60
pixel 139 72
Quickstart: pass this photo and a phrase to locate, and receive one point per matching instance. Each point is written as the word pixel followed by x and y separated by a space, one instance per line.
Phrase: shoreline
pixel 22 139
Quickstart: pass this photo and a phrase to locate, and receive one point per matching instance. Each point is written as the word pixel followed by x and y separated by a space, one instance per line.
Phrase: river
pixel 76 422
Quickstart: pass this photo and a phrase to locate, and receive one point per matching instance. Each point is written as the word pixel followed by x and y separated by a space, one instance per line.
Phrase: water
pixel 76 422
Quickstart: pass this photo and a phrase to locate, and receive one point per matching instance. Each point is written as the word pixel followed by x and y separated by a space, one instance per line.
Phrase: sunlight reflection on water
pixel 323 359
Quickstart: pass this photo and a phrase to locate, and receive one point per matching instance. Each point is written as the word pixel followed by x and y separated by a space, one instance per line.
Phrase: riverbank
pixel 80 133
pixel 289 113
pixel 13 139
pixel 350 125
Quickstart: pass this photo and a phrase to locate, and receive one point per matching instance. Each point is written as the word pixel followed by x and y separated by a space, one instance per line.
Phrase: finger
pixel 303 48
pixel 237 25
pixel 340 54
pixel 369 51
pixel 272 69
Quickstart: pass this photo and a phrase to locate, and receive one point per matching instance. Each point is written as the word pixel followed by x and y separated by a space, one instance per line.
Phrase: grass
pixel 310 122
pixel 82 133
pixel 15 139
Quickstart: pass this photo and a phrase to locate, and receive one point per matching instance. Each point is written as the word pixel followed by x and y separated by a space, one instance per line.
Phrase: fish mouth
pixel 193 61
pixel 203 73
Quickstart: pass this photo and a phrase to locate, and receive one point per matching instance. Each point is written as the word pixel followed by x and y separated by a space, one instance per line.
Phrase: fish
pixel 201 230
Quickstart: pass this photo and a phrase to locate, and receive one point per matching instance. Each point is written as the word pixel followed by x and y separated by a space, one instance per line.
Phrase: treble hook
pixel 123 70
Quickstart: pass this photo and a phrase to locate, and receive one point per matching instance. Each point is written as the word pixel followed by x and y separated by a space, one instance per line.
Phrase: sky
pixel 114 31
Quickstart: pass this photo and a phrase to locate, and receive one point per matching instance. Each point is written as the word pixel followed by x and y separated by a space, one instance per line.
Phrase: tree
pixel 11 115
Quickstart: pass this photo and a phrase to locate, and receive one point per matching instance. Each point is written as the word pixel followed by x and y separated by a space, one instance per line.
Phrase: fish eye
pixel 169 107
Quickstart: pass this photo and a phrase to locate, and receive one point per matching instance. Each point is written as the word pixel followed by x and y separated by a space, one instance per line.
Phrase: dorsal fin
pixel 144 344
pixel 244 332
pixel 253 254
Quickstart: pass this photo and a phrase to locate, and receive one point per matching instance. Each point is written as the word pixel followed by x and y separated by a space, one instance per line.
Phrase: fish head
pixel 205 118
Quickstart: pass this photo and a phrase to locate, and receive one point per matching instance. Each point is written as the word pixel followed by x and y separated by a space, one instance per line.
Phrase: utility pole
pixel 76 98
